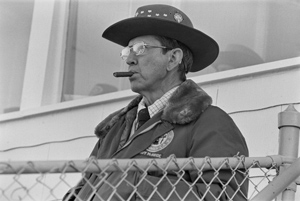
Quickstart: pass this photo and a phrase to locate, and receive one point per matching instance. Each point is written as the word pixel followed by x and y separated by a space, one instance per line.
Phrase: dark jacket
pixel 189 126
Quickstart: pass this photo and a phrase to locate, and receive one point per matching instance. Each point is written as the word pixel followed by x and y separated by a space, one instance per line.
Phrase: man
pixel 161 46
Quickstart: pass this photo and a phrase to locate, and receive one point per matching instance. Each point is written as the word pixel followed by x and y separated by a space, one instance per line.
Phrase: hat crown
pixel 164 12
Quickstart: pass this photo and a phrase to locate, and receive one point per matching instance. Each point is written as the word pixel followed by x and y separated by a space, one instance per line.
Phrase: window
pixel 90 59
pixel 248 33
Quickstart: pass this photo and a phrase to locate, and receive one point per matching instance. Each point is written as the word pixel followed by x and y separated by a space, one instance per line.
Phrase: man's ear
pixel 175 58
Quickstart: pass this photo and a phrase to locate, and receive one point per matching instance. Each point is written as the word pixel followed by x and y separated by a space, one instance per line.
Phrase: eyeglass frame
pixel 128 49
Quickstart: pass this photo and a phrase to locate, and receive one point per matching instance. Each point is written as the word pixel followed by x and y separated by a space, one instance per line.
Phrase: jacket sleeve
pixel 214 134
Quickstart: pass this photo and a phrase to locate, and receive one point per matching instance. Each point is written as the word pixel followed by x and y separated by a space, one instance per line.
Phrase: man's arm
pixel 216 135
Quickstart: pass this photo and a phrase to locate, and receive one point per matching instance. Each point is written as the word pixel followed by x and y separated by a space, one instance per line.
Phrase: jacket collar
pixel 185 105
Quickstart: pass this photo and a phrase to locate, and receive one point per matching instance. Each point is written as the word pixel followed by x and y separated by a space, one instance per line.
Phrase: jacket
pixel 189 126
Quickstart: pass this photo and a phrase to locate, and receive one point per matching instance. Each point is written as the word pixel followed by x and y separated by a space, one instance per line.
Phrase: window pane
pixel 90 59
pixel 248 33
pixel 15 23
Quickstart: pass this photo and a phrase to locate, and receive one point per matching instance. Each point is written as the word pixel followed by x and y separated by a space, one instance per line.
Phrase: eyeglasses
pixel 138 49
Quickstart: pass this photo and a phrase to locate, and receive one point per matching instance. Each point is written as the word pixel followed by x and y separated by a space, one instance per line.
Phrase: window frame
pixel 46 53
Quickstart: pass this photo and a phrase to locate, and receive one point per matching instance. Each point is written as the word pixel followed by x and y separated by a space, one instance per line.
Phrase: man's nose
pixel 131 59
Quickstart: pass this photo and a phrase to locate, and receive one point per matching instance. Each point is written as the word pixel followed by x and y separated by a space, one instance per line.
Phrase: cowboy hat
pixel 167 21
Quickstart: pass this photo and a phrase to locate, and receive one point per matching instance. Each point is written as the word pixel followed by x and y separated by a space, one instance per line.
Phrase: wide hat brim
pixel 204 49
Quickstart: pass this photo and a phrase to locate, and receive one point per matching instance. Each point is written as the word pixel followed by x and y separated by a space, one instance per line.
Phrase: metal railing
pixel 265 168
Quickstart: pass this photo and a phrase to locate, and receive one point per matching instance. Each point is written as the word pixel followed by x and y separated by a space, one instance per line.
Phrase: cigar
pixel 123 74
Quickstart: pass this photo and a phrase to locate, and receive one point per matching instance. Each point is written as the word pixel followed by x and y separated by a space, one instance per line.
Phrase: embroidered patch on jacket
pixel 161 142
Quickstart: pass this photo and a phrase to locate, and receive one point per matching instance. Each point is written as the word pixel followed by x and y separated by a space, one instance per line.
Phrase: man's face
pixel 149 67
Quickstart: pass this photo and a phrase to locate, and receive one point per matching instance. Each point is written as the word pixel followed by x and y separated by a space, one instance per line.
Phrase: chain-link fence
pixel 50 180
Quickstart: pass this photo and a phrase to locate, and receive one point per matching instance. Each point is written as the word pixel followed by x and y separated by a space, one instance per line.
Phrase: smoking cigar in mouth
pixel 123 74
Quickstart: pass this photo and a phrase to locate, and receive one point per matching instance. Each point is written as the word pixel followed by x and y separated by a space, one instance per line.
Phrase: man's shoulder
pixel 215 114
pixel 105 122
pixel 214 110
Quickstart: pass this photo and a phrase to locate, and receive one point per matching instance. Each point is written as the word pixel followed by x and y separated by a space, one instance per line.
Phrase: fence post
pixel 289 126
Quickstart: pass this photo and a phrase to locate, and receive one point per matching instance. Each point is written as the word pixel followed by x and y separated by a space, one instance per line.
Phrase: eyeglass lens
pixel 137 48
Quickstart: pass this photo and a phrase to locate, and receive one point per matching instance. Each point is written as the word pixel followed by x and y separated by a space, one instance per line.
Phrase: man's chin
pixel 134 87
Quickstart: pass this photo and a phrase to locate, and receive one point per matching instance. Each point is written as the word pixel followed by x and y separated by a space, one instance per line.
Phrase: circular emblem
pixel 178 17
pixel 161 142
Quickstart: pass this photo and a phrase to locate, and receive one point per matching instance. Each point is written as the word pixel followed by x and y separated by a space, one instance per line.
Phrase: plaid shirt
pixel 156 107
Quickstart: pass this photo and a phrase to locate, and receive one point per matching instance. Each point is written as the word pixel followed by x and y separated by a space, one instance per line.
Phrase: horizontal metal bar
pixel 167 164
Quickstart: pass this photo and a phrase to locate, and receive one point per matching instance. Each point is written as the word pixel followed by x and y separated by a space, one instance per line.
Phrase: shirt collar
pixel 159 104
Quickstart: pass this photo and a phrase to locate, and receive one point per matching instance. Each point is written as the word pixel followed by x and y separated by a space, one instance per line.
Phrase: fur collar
pixel 185 105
